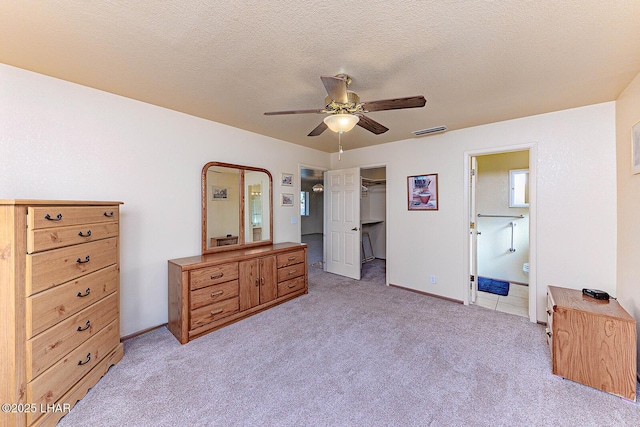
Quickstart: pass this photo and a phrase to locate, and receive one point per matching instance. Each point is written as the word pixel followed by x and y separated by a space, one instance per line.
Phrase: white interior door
pixel 473 234
pixel 342 222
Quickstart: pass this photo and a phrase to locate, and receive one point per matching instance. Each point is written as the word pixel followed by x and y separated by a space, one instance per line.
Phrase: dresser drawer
pixel 290 258
pixel 48 347
pixel 56 381
pixel 286 273
pixel 290 286
pixel 213 312
pixel 210 294
pixel 60 216
pixel 212 275
pixel 52 238
pixel 47 308
pixel 48 269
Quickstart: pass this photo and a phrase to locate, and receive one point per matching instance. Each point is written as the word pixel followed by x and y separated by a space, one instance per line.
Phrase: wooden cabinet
pixel 258 284
pixel 592 341
pixel 59 304
pixel 207 292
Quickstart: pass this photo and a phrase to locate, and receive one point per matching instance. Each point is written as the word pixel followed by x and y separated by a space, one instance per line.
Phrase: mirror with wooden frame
pixel 237 210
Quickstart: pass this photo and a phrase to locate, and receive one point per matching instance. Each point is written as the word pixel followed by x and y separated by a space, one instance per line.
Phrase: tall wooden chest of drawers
pixel 207 292
pixel 59 305
pixel 592 341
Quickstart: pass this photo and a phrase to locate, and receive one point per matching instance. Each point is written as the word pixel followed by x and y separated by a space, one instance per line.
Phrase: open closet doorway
pixel 355 230
pixel 499 230
pixel 373 220
pixel 312 213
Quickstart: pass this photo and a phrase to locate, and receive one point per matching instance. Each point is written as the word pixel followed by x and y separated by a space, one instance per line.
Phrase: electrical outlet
pixel 433 280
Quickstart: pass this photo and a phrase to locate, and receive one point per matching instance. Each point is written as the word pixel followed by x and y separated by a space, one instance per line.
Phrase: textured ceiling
pixel 475 62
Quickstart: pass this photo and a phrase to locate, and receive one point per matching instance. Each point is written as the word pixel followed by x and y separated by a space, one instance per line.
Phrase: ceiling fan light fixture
pixel 318 188
pixel 341 122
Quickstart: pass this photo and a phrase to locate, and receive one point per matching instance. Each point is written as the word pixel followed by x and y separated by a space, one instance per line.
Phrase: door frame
pixel 533 156
pixel 386 213
pixel 323 170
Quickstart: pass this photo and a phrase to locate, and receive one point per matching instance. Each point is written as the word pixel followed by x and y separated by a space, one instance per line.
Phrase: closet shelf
pixel 500 216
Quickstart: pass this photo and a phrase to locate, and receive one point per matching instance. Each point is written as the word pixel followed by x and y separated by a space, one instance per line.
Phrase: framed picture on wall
pixel 219 193
pixel 635 148
pixel 286 179
pixel 422 192
pixel 286 199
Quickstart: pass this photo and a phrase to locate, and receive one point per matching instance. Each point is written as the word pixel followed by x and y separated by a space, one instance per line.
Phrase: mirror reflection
pixel 223 199
pixel 257 207
pixel 236 207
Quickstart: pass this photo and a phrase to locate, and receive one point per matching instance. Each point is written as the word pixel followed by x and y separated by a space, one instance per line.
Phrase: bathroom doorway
pixel 499 199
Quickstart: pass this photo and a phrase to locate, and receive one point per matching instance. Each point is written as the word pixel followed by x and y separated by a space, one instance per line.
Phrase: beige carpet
pixel 350 354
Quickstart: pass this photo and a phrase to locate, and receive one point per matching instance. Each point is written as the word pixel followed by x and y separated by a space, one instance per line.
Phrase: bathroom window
pixel 519 188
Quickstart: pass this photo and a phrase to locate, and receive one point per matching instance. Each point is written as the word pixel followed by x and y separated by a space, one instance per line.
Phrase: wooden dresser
pixel 59 305
pixel 592 341
pixel 207 292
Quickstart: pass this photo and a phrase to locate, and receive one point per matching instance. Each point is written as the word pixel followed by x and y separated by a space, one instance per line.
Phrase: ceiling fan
pixel 345 109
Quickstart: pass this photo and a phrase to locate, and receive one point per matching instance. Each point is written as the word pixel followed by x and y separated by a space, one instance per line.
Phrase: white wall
pixel 576 200
pixel 63 141
pixel 628 291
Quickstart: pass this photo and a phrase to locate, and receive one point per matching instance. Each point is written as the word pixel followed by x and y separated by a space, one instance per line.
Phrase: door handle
pixel 355 229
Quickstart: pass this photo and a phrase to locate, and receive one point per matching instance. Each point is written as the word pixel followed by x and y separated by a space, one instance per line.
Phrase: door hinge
pixel 472 225
pixel 472 278
pixel 473 172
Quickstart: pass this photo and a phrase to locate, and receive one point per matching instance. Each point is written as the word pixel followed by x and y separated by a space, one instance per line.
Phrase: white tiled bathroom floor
pixel 516 302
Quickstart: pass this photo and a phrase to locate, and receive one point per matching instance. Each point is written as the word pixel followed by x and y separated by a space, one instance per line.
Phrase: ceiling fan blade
pixel 371 125
pixel 318 130
pixel 395 104
pixel 273 113
pixel 336 88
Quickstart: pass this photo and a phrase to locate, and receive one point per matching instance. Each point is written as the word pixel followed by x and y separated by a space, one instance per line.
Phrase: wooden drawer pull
pixel 292 272
pixel 217 276
pixel 292 285
pixel 217 311
pixel 86 260
pixel 86 293
pixel 80 362
pixel 87 326
pixel 215 294
pixel 291 258
pixel 57 218
pixel 108 215
pixel 85 235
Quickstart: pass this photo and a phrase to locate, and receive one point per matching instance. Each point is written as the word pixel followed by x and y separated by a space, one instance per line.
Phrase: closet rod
pixel 500 216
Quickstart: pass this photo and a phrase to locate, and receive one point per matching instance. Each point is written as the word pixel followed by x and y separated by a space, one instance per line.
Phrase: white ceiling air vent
pixel 430 131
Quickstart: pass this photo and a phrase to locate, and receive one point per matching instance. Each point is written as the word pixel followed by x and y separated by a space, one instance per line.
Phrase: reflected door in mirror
pixel 258 207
